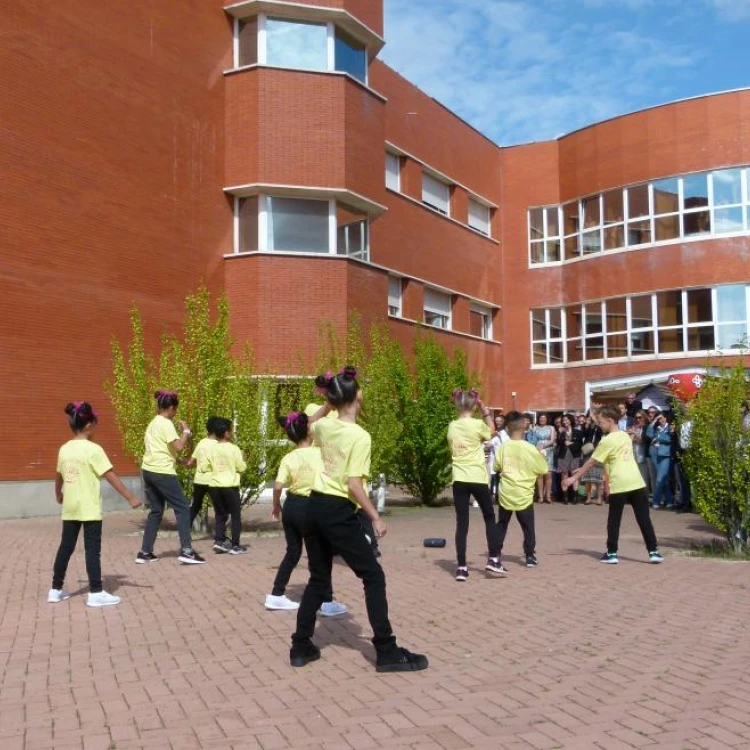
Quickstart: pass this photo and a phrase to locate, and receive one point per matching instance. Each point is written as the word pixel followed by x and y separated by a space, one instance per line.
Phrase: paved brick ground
pixel 572 655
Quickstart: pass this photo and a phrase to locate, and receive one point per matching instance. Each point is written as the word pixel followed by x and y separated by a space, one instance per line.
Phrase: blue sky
pixel 526 70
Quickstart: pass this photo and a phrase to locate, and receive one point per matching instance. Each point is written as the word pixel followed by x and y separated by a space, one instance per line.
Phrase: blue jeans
pixel 662 491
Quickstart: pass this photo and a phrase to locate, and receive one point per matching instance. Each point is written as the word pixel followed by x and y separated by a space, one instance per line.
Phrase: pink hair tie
pixel 291 418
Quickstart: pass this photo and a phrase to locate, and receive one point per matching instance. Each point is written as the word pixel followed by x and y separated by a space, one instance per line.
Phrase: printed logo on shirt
pixel 71 472
pixel 460 447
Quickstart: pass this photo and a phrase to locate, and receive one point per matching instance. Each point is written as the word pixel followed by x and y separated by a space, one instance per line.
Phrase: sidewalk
pixel 573 654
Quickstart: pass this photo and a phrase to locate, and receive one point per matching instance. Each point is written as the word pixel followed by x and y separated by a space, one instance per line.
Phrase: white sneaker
pixel 102 599
pixel 474 504
pixel 332 609
pixel 57 595
pixel 280 602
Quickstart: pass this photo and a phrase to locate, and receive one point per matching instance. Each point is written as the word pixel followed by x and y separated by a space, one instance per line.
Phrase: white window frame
pixel 436 205
pixel 363 253
pixel 483 224
pixel 396 310
pixel 437 310
pixel 395 159
pixel 486 313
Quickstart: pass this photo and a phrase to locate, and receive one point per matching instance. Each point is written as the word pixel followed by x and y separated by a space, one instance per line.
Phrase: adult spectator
pixel 661 454
pixel 545 438
pixel 633 405
pixel 625 421
pixel 640 447
pixel 683 446
pixel 568 455
pixel 652 415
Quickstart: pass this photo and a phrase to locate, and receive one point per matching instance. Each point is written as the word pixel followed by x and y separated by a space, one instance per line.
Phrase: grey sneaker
pixel 332 609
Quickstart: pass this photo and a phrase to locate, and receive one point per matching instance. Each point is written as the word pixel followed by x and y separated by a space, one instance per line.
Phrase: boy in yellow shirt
pixel 224 463
pixel 626 485
pixel 520 464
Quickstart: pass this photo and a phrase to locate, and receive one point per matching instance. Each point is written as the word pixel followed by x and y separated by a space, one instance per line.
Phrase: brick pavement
pixel 571 655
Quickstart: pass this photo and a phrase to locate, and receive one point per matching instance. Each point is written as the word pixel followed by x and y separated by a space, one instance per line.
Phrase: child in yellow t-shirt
pixel 466 437
pixel 224 464
pixel 520 464
pixel 80 465
pixel 626 484
pixel 200 480
pixel 297 473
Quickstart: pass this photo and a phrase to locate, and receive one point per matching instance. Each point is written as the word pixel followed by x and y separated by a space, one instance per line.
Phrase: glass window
pixel 699 306
pixel 573 320
pixel 700 339
pixel 671 340
pixel 437 308
pixel 666 195
pixel 614 211
pixel 553 221
pixel 555 323
pixel 641 312
pixel 394 296
pixel 436 194
pixel 695 191
pixel 638 205
pixel 591 242
pixel 728 220
pixel 731 304
pixel 537 252
pixel 536 223
pixel 352 239
pixel 479 216
pixel 248 42
pixel 570 218
pixel 732 336
pixel 616 315
pixel 574 350
pixel 591 212
pixel 553 251
pixel 639 232
pixel 297 225
pixel 695 222
pixel 540 353
pixel 351 56
pixel 294 44
pixel 538 325
pixel 727 185
pixel 247 213
pixel 393 171
pixel 642 343
pixel 571 247
pixel 480 323
pixel 669 308
pixel 667 228
pixel 555 352
pixel 594 341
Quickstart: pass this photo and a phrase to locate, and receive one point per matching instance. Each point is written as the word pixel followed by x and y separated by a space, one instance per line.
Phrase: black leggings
pixel 293 521
pixel 525 518
pixel 462 493
pixel 639 500
pixel 199 492
pixel 92 542
pixel 226 502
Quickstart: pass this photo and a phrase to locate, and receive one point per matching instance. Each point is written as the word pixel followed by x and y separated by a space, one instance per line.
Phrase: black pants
pixel 226 502
pixel 293 521
pixel 462 493
pixel 368 528
pixel 332 528
pixel 163 490
pixel 525 518
pixel 199 492
pixel 639 500
pixel 92 542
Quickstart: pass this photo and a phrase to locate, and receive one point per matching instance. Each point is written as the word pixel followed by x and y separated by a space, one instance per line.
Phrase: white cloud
pixel 732 10
pixel 523 70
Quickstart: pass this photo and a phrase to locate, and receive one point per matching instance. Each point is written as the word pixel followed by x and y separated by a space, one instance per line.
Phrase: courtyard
pixel 573 654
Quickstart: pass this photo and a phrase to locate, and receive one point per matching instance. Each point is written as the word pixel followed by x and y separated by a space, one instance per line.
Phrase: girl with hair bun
pixel 297 473
pixel 466 437
pixel 162 444
pixel 81 464
pixel 332 528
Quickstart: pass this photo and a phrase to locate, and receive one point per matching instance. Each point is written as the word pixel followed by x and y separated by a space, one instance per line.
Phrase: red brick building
pixel 266 150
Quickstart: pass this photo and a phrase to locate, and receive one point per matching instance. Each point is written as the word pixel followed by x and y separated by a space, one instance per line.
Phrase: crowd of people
pixel 568 440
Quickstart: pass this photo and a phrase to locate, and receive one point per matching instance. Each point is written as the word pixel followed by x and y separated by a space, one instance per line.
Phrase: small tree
pixel 422 460
pixel 718 461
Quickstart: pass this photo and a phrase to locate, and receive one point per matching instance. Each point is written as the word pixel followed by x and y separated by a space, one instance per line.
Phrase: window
pixel 613 206
pixel 352 239
pixel 544 235
pixel 394 296
pixel 642 325
pixel 437 309
pixel 727 192
pixel 247 41
pixel 436 194
pixel 480 322
pixel 670 322
pixel 616 326
pixel 571 227
pixel 295 44
pixel 593 340
pixel 393 171
pixel 298 225
pixel 247 224
pixel 479 216
pixel 731 317
pixel 547 336
pixel 351 56
pixel 696 217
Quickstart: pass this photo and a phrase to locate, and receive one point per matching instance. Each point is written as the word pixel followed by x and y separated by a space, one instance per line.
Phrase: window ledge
pixel 434 211
pixel 341 73
pixel 642 358
pixel 449 331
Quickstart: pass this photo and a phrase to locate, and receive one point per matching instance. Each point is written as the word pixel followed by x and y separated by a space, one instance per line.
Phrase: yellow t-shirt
pixel 225 463
pixel 158 457
pixel 520 463
pixel 615 451
pixel 298 470
pixel 312 409
pixel 81 463
pixel 345 451
pixel 200 454
pixel 466 438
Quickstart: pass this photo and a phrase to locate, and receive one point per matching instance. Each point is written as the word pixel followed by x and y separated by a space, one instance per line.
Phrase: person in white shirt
pixel 492 447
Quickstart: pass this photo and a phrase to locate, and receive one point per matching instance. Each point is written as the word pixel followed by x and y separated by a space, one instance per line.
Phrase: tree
pixel 211 381
pixel 422 459
pixel 718 460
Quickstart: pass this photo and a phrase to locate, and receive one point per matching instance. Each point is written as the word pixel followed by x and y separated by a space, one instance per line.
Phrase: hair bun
pixel 349 373
pixel 70 409
pixel 456 394
pixel 474 393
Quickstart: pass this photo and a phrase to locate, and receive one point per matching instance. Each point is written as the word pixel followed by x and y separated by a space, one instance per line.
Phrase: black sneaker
pixel 301 655
pixel 191 558
pixel 238 549
pixel 221 547
pixel 462 574
pixel 495 566
pixel 145 557
pixel 531 561
pixel 401 660
pixel 610 558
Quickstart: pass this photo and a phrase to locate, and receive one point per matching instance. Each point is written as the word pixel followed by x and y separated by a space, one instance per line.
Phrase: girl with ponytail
pixel 81 463
pixel 332 528
pixel 162 444
pixel 466 437
pixel 296 473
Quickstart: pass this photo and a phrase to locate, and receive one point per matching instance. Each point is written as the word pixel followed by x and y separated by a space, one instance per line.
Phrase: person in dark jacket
pixel 568 455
